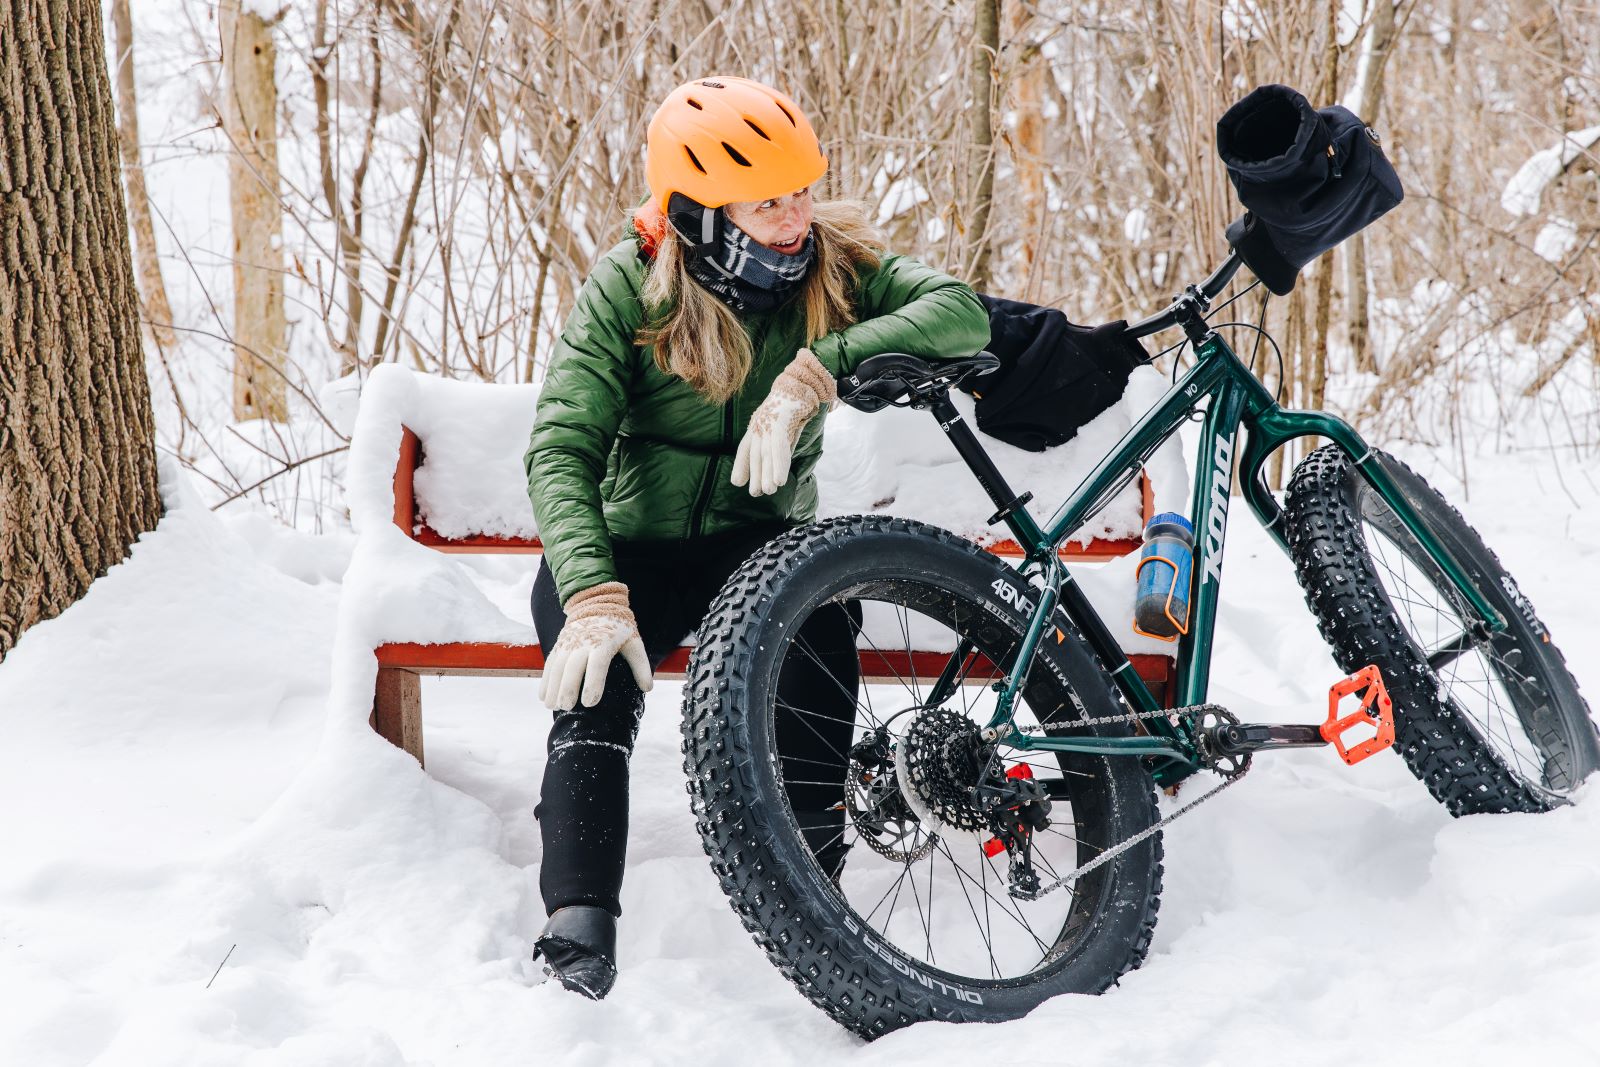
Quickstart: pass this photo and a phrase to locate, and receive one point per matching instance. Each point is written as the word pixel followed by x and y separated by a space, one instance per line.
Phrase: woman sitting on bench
pixel 676 433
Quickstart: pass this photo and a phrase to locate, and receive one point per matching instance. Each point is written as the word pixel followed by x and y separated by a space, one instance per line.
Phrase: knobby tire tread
pixel 759 881
pixel 1342 588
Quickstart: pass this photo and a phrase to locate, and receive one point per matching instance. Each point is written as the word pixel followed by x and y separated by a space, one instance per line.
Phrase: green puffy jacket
pixel 622 450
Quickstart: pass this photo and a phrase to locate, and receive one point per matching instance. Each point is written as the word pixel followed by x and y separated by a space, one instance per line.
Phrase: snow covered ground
pixel 197 871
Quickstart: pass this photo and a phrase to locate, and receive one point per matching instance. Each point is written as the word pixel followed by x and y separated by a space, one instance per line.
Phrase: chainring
pixel 1224 764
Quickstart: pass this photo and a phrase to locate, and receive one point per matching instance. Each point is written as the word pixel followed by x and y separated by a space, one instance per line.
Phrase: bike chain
pixel 1122 846
pixel 1129 716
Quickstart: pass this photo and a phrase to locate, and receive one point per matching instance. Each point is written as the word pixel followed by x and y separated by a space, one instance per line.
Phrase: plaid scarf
pixel 747 275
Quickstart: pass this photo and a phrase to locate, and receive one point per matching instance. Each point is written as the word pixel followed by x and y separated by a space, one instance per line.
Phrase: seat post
pixel 1010 505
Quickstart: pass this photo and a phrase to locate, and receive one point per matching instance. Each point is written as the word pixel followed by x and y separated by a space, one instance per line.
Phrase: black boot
pixel 579 946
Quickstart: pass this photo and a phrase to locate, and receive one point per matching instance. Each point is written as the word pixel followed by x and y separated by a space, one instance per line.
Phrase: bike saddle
pixel 906 380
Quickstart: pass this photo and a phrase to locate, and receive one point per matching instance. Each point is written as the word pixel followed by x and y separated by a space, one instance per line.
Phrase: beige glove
pixel 767 447
pixel 599 625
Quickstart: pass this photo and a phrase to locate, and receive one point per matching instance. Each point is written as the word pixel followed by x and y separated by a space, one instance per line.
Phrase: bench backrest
pixel 457 483
pixel 407 517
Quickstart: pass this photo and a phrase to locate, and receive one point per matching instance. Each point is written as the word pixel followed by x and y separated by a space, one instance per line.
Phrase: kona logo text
pixel 1522 604
pixel 1217 513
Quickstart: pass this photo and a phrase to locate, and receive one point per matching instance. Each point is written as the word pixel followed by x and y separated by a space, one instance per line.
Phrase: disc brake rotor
pixel 881 817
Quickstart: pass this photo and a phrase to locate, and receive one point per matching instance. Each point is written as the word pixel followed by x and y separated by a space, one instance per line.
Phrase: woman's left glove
pixel 599 625
pixel 767 447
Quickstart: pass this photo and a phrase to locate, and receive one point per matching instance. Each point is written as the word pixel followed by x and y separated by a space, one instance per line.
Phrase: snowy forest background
pixel 446 172
pixel 211 858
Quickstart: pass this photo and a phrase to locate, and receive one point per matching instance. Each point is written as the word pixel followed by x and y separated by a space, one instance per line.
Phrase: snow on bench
pixel 436 471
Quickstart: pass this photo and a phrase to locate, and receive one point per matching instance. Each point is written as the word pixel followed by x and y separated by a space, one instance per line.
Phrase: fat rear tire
pixel 773 882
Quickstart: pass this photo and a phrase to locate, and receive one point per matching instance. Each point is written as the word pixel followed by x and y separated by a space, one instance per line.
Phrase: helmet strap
pixel 698 226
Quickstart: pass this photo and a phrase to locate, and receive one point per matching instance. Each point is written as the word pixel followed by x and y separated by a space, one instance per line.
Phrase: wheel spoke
pixel 855 698
pixel 904 873
pixel 844 760
pixel 925 917
pixel 988 940
pixel 1006 905
pixel 1477 680
pixel 989 934
pixel 905 634
pixel 861 632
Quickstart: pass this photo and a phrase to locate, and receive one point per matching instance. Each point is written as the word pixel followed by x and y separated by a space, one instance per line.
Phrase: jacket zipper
pixel 708 484
pixel 702 501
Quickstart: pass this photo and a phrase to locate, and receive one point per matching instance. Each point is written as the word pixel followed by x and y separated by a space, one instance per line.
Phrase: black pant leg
pixel 815 724
pixel 583 800
pixel 816 700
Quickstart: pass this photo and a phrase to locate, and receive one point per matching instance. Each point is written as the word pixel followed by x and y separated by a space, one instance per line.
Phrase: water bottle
pixel 1161 605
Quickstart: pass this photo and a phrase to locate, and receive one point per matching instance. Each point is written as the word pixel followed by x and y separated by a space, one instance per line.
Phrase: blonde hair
pixel 701 339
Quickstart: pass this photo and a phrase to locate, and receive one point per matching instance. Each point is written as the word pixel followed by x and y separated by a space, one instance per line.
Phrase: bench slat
pixel 397 707
pixel 489 658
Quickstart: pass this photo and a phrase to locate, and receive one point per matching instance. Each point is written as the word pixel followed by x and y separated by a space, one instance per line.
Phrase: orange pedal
pixel 1376 711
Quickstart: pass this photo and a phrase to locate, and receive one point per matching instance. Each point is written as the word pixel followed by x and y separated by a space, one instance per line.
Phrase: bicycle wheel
pixel 848 834
pixel 1489 722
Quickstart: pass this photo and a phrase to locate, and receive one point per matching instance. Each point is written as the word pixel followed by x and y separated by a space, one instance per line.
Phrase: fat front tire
pixel 1488 722
pixel 802 914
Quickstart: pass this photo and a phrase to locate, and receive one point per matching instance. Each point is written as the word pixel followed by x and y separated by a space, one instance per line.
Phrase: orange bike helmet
pixel 720 140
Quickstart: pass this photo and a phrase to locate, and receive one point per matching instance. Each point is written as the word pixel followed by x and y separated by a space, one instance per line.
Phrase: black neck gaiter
pixel 745 274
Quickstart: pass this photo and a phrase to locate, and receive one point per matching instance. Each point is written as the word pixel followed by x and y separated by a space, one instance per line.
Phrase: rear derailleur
pixel 1016 808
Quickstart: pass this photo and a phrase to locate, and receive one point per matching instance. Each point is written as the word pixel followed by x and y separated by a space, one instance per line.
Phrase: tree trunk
pixel 348 226
pixel 1367 97
pixel 432 48
pixel 1028 156
pixel 980 178
pixel 152 290
pixel 1314 388
pixel 250 116
pixel 77 437
pixel 1294 346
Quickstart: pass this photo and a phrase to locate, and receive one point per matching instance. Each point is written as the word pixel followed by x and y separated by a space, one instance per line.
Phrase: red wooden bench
pixel 397 702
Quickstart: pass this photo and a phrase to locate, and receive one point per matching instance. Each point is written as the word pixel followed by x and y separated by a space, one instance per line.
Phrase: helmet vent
pixel 734 153
pixel 786 115
pixel 695 104
pixel 690 152
pixel 758 129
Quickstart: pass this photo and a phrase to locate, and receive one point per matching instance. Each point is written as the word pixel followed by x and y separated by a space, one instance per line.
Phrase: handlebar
pixel 1212 287
pixel 1189 309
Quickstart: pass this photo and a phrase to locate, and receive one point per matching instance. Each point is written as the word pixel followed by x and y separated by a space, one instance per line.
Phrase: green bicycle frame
pixel 1234 399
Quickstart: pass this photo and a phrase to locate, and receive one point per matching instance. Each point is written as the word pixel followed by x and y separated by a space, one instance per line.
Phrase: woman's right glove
pixel 599 625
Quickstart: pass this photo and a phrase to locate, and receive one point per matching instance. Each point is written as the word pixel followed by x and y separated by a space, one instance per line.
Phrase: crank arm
pixel 1375 713
pixel 1238 738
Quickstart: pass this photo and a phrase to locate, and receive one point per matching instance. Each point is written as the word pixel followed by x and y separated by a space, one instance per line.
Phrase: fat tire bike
pixel 993 838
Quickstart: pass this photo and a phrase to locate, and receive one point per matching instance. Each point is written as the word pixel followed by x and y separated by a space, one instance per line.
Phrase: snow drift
pixel 180 797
